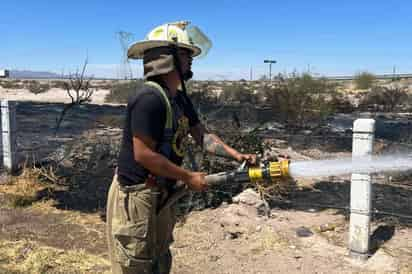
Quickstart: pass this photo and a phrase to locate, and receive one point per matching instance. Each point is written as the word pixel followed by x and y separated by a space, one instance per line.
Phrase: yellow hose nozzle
pixel 279 169
pixel 275 170
pixel 272 171
pixel 255 174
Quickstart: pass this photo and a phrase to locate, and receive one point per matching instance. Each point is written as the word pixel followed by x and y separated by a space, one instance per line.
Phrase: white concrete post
pixel 361 190
pixel 8 128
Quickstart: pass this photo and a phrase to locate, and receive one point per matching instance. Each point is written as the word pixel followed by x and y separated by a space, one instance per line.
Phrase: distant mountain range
pixel 28 74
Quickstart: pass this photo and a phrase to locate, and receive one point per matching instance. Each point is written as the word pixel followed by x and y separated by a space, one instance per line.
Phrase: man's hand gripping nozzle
pixel 271 171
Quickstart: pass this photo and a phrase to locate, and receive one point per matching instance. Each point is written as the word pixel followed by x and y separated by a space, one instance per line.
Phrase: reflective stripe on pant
pixel 130 232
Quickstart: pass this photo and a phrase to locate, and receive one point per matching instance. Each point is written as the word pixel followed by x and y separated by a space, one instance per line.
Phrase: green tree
pixel 364 80
pixel 385 98
pixel 238 92
pixel 302 98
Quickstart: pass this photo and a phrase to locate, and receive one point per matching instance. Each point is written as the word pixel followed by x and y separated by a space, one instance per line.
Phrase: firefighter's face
pixel 186 59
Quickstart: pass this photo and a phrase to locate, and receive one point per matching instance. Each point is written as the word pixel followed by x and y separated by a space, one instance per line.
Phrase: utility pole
pixel 251 73
pixel 270 62
pixel 394 74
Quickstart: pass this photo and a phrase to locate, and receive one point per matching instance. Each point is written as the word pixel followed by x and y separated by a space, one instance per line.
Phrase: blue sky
pixel 329 37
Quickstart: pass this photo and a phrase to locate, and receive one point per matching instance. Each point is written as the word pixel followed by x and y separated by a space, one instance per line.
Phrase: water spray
pixel 313 168
pixel 362 165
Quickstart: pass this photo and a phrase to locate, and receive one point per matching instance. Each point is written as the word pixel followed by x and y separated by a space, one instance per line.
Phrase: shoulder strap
pixel 165 147
pixel 169 110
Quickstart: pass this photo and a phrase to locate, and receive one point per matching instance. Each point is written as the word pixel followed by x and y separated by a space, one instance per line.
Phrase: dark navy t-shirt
pixel 146 115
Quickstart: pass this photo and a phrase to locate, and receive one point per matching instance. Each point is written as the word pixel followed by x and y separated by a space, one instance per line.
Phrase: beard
pixel 187 75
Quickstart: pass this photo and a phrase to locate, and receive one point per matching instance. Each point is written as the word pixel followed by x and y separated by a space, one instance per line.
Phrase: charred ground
pixel 52 214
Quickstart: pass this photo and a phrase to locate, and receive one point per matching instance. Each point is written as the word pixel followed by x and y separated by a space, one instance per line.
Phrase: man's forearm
pixel 214 145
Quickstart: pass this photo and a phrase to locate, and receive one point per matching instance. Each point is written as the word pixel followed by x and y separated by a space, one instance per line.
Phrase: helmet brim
pixel 136 50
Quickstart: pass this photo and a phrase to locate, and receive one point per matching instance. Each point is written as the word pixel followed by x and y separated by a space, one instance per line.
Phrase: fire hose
pixel 271 171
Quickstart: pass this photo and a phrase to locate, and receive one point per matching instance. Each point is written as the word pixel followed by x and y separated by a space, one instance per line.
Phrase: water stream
pixel 335 167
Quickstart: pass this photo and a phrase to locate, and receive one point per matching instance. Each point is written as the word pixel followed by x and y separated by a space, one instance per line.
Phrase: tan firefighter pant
pixel 139 237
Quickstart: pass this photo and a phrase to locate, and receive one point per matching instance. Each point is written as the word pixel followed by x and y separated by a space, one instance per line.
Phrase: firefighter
pixel 159 117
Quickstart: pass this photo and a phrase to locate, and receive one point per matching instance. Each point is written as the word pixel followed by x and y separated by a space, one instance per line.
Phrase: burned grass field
pixel 52 213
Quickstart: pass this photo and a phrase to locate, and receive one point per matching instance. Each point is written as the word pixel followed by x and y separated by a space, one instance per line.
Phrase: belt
pixel 132 188
pixel 149 183
pixel 130 185
pixel 167 198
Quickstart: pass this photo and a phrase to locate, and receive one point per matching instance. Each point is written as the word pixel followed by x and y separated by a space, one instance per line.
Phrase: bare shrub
pixel 58 84
pixel 79 90
pixel 300 99
pixel 238 92
pixel 121 92
pixel 36 87
pixel 10 84
pixel 384 98
pixel 341 103
pixel 87 166
pixel 201 94
pixel 364 80
pixel 103 85
pixel 23 190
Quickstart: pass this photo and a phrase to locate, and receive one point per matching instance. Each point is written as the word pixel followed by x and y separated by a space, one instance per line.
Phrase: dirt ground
pixel 61 229
pixel 233 238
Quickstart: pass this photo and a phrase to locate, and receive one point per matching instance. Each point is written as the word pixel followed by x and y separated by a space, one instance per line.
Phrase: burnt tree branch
pixel 78 88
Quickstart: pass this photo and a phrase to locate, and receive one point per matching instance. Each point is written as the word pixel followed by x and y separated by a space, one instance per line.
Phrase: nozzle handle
pixel 217 178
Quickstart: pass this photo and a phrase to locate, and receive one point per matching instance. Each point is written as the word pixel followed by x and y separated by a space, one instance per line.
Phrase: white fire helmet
pixel 180 34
